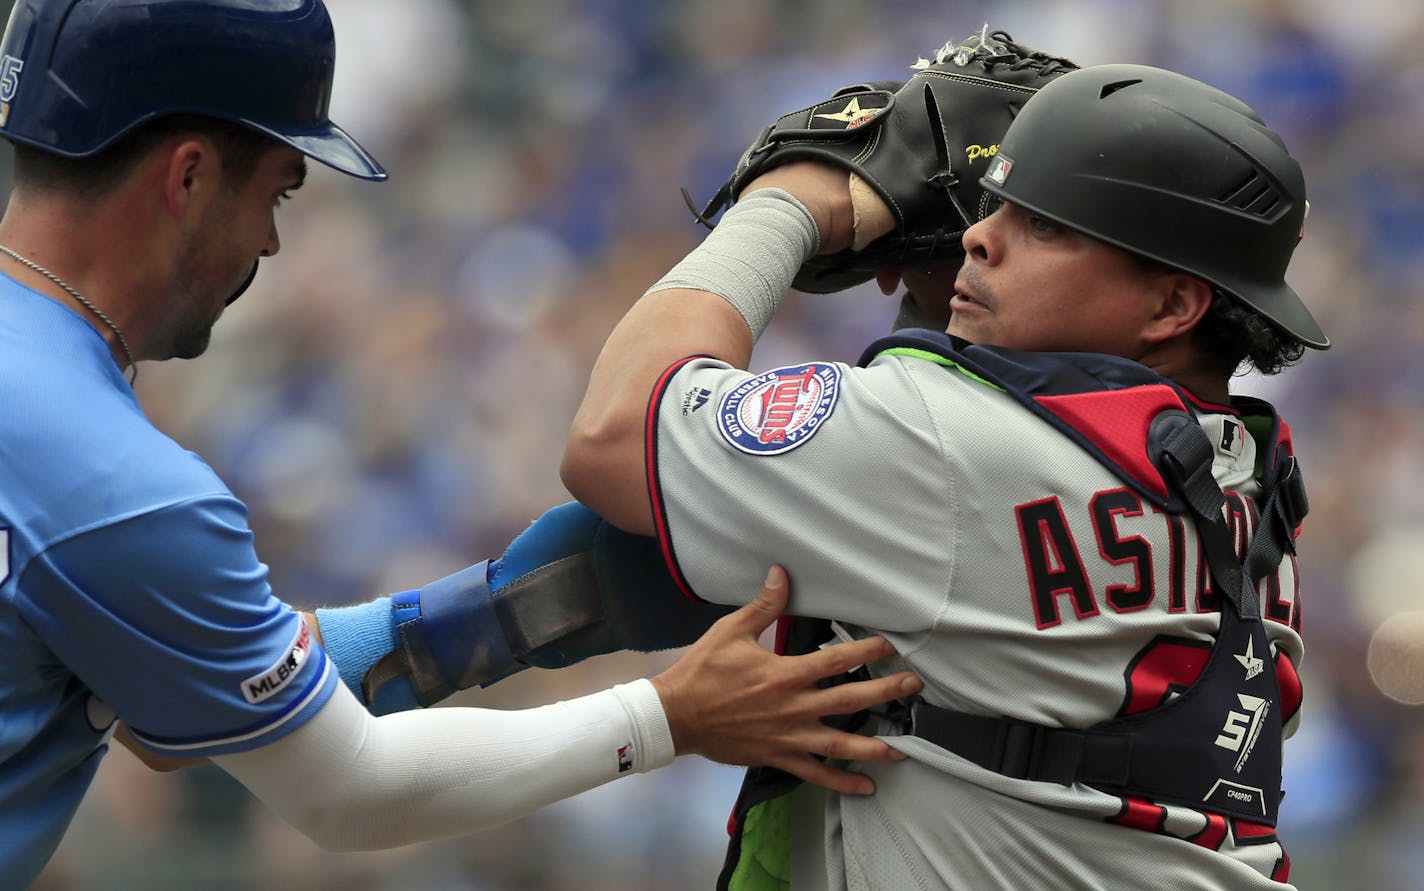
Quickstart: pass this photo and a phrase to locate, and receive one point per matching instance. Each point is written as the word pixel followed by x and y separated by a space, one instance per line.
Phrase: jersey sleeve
pixel 168 618
pixel 835 472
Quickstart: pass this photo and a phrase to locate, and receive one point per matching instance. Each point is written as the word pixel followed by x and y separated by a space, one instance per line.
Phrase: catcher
pixel 1056 509
pixel 1083 542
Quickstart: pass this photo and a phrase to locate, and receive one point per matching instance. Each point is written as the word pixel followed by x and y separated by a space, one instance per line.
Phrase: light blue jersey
pixel 129 587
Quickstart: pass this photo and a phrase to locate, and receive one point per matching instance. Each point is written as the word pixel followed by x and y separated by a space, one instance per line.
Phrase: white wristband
pixel 750 259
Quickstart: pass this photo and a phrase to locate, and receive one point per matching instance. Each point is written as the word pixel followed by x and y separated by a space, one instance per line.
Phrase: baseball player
pixel 1056 510
pixel 153 141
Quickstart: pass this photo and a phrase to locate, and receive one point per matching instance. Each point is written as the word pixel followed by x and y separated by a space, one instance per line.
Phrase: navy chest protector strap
pixel 1216 746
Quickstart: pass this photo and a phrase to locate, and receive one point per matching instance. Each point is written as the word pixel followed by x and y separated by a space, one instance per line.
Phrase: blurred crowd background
pixel 391 397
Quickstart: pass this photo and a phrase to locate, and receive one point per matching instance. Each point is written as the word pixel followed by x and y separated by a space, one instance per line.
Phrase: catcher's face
pixel 1030 283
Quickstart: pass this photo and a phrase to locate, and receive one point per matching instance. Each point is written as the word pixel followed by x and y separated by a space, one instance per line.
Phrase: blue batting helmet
pixel 75 75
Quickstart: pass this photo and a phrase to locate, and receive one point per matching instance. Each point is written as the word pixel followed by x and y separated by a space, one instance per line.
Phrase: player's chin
pixel 192 341
pixel 974 324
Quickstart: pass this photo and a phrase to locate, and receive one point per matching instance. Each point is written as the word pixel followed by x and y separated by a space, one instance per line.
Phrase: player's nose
pixel 274 242
pixel 980 242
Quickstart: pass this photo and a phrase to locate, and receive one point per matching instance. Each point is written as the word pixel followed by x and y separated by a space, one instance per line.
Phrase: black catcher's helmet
pixel 1169 168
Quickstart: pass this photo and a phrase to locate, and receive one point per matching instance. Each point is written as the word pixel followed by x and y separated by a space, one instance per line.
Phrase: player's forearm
pixel 568 587
pixel 715 302
pixel 350 781
pixel 604 462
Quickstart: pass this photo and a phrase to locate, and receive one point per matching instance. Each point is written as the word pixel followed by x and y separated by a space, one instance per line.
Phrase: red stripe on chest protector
pixel 1116 422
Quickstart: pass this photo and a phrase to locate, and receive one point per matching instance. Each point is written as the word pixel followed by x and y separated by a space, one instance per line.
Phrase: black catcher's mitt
pixel 922 145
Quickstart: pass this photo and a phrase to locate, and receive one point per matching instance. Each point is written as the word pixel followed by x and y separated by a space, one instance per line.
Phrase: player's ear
pixel 190 164
pixel 1182 300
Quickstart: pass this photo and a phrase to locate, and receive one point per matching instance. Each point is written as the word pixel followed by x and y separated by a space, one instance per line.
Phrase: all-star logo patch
pixel 775 412
pixel 849 112
pixel 269 683
pixel 1253 664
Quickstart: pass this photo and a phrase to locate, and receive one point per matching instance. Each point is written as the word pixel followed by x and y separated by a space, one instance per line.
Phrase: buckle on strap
pixel 1183 454
pixel 1023 750
pixel 1290 492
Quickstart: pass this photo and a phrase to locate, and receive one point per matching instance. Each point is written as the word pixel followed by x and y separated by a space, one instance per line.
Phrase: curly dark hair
pixel 1232 334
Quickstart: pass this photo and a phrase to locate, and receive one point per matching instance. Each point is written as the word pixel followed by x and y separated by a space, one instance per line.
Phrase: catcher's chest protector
pixel 1216 746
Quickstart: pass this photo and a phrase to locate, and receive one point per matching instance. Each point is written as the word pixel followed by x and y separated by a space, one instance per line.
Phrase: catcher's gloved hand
pixel 920 145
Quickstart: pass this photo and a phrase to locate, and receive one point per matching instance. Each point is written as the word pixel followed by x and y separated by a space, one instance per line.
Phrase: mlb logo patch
pixel 780 410
pixel 262 687
pixel 999 169
pixel 1233 437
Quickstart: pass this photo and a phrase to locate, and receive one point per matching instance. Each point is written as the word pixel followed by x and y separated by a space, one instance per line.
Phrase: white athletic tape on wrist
pixel 750 259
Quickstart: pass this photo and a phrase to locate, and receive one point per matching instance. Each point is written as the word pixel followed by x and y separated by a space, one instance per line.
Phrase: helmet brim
pixel 333 147
pixel 1278 303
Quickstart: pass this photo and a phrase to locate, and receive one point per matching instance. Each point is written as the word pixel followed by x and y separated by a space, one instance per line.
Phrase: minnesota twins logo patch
pixel 777 411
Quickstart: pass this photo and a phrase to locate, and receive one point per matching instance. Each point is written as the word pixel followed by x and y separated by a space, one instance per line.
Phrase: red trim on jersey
pixel 1245 830
pixel 1116 422
pixel 1289 680
pixel 1282 871
pixel 1143 814
pixel 1047 544
pixel 1164 665
pixel 1247 833
pixel 1139 813
pixel 1213 407
pixel 1119 597
pixel 1284 437
pixel 1212 835
pixel 1176 561
pixel 650 438
pixel 1296 605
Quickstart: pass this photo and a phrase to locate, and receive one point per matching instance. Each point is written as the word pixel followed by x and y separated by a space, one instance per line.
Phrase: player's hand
pixel 732 701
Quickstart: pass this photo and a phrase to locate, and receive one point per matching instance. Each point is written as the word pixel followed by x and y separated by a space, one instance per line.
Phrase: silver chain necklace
pixel 123 344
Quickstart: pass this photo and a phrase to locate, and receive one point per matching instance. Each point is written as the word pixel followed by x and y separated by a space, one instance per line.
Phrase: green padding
pixel 937 359
pixel 1259 426
pixel 765 864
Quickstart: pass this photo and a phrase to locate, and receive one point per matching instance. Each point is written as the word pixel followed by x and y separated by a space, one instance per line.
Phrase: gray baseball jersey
pixel 1013 571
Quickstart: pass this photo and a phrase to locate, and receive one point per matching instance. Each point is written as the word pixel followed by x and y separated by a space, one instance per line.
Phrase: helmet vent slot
pixel 1109 89
pixel 1254 195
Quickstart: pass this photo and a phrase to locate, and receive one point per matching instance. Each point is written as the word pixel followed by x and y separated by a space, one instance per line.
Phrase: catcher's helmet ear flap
pixel 75 75
pixel 1169 168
